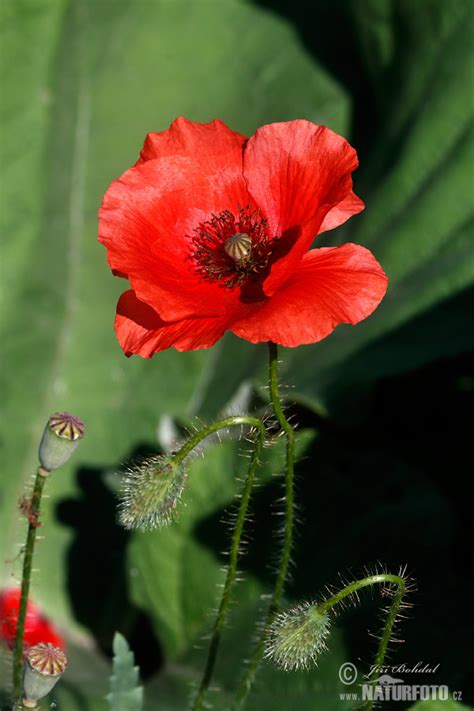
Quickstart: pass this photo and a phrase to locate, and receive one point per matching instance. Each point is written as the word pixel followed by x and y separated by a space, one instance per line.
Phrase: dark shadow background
pixel 390 491
pixel 97 575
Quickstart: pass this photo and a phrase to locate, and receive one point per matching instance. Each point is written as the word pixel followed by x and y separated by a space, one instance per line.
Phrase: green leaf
pixel 125 694
pixel 438 706
pixel 416 182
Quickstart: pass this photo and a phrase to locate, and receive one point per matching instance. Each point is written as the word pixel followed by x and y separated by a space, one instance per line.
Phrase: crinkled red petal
pixel 149 215
pixel 331 285
pixel 299 174
pixel 141 331
pixel 187 138
pixel 339 214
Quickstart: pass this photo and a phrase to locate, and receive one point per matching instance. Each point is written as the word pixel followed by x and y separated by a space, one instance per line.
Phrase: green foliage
pixel 83 84
pixel 438 706
pixel 125 694
pixel 172 686
pixel 169 562
pixel 416 180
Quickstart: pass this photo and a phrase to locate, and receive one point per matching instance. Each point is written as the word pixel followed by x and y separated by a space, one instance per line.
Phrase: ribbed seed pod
pixel 297 637
pixel 62 434
pixel 238 246
pixel 150 492
pixel 43 667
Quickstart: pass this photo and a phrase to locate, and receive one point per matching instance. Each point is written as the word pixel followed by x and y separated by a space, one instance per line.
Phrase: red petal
pixel 298 173
pixel 37 627
pixel 141 331
pixel 187 138
pixel 332 285
pixel 148 215
pixel 341 213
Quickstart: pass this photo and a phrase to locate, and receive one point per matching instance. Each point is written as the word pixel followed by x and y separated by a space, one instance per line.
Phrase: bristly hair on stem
pixel 297 636
pixel 288 529
pixel 152 488
pixel 150 492
pixel 232 569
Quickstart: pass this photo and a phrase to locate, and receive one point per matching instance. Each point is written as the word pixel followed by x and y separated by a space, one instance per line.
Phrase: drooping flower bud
pixel 43 667
pixel 150 492
pixel 297 637
pixel 61 436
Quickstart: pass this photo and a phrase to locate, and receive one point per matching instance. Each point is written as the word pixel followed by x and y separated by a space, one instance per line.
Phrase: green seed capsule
pixel 238 247
pixel 43 667
pixel 61 436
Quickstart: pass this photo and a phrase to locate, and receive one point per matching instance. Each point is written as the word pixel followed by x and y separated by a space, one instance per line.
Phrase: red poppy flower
pixel 37 627
pixel 212 230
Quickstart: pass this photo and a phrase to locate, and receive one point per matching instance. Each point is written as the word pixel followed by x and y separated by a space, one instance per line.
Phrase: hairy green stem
pixel 33 516
pixel 254 663
pixel 289 479
pixel 231 570
pixel 235 421
pixel 384 579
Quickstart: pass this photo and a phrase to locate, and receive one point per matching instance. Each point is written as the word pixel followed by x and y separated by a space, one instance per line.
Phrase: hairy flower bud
pixel 150 493
pixel 297 637
pixel 61 436
pixel 44 665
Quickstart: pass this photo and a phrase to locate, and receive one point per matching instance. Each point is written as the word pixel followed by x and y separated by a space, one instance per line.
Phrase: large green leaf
pixel 416 180
pixel 438 706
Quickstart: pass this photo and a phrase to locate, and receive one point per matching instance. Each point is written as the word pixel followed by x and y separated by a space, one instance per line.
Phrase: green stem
pixel 254 663
pixel 33 516
pixel 289 479
pixel 382 578
pixel 195 440
pixel 231 570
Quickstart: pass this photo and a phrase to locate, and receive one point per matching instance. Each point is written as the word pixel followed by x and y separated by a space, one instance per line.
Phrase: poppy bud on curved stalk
pixel 44 665
pixel 150 492
pixel 61 436
pixel 297 637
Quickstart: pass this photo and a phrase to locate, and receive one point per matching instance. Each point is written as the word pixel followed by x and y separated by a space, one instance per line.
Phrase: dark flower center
pixel 229 249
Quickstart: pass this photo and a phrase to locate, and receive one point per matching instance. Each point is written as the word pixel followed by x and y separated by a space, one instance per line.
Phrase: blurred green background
pixel 384 407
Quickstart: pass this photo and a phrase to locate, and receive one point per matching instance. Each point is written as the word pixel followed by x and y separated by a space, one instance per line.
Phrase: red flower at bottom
pixel 213 230
pixel 37 627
